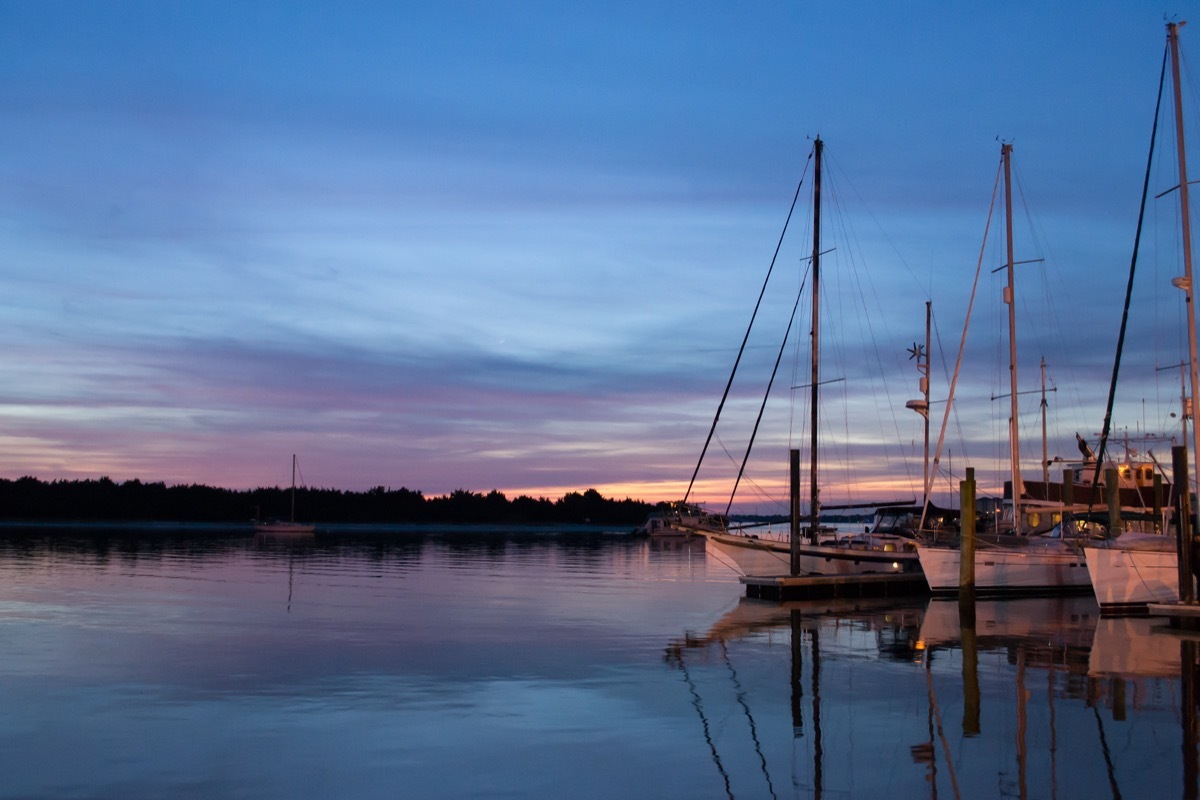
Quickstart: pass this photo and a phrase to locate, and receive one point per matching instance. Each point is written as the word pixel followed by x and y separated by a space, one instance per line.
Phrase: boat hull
pixel 1126 579
pixel 284 527
pixel 767 557
pixel 1022 570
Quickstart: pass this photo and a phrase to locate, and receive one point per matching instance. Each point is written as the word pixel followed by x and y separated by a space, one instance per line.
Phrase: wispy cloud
pixel 422 254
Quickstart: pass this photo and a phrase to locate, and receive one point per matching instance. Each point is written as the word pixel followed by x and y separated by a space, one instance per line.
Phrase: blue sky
pixel 515 245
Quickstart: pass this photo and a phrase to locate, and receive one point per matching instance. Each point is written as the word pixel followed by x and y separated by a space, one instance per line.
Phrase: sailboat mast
pixel 814 500
pixel 1010 299
pixel 1186 220
pixel 293 517
pixel 925 392
pixel 1045 449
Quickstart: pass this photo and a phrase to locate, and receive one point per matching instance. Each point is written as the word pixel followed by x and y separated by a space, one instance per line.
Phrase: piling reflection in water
pixel 1036 698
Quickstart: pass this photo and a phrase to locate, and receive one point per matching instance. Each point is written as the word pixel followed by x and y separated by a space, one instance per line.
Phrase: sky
pixel 515 246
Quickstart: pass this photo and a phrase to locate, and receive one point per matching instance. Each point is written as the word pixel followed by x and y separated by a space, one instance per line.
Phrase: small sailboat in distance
pixel 289 525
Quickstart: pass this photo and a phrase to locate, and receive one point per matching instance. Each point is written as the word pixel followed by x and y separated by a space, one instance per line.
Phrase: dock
pixel 815 587
pixel 1180 616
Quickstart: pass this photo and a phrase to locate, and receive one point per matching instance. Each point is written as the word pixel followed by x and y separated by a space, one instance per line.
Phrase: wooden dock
pixel 813 587
pixel 1180 616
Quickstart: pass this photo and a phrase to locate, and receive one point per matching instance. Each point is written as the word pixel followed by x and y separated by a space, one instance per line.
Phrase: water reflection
pixel 472 663
pixel 362 664
pixel 1021 698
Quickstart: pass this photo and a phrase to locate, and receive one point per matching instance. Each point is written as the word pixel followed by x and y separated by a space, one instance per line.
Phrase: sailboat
pixel 1015 563
pixel 1135 569
pixel 289 525
pixel 820 551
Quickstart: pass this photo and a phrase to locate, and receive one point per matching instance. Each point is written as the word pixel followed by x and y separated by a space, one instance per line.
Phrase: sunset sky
pixel 515 245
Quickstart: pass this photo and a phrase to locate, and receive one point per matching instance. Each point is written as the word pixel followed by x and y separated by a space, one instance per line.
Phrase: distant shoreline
pixel 103 500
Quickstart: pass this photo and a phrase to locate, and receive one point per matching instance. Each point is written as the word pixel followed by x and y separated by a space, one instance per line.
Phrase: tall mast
pixel 1185 403
pixel 1045 452
pixel 925 391
pixel 1186 221
pixel 1010 299
pixel 814 500
pixel 921 355
pixel 293 517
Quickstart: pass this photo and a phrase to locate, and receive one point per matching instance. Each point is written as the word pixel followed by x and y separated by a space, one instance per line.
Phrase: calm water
pixel 531 664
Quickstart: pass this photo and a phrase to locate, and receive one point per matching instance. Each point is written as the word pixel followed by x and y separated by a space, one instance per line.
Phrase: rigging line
pixel 941 731
pixel 1053 736
pixel 833 163
pixel 818 746
pixel 867 323
pixel 724 559
pixel 937 456
pixel 765 495
pixel 741 699
pixel 712 747
pixel 746 337
pixel 763 406
pixel 726 451
pixel 1108 762
pixel 1137 238
pixel 962 438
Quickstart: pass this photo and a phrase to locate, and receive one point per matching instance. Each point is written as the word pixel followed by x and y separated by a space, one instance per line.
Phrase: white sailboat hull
pixel 1127 578
pixel 1031 569
pixel 768 557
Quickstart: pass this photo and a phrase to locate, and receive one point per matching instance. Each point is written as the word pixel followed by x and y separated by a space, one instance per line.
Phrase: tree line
pixel 106 500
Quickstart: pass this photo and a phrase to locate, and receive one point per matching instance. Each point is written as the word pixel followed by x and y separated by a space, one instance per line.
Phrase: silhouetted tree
pixel 28 498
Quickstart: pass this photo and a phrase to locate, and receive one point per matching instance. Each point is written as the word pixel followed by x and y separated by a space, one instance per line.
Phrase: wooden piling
pixel 966 606
pixel 1112 492
pixel 794 504
pixel 1183 520
pixel 966 560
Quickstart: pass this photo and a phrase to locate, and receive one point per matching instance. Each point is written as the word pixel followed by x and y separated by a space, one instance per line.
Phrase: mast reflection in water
pixel 1040 698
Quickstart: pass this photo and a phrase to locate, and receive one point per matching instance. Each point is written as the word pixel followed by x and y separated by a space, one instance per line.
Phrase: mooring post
pixel 1183 521
pixel 1112 493
pixel 966 604
pixel 794 498
pixel 1191 742
pixel 966 559
pixel 797 694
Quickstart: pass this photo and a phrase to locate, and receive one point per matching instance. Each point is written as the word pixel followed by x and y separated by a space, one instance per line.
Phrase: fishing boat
pixel 1133 569
pixel 816 549
pixel 279 526
pixel 1014 559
